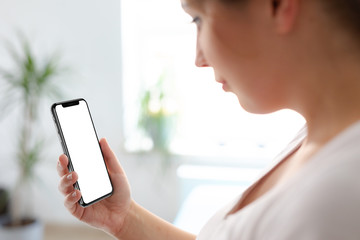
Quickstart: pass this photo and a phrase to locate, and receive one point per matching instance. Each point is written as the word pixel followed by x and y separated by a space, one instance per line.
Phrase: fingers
pixel 62 165
pixel 110 158
pixel 71 200
pixel 66 183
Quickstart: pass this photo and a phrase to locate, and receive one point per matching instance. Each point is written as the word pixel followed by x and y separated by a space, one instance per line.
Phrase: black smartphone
pixel 81 145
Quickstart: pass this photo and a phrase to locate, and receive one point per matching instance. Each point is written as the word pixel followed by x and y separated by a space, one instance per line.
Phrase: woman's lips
pixel 224 85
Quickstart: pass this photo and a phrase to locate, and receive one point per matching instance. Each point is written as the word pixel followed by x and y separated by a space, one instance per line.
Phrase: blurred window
pixel 159 45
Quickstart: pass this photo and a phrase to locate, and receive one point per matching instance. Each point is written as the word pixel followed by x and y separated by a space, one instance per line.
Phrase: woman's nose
pixel 200 60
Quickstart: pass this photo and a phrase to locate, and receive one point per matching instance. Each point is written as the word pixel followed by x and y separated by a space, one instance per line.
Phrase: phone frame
pixel 70 167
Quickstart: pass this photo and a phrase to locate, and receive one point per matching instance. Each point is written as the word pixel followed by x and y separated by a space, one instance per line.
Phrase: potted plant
pixel 158 116
pixel 26 85
pixel 3 205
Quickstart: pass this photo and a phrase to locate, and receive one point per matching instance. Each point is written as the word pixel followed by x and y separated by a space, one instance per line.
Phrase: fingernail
pixel 73 194
pixel 69 177
pixel 61 168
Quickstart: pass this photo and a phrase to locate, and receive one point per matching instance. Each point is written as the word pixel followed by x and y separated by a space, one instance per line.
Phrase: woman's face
pixel 237 43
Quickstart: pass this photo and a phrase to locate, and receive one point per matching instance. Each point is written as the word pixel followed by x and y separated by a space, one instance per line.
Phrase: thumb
pixel 111 160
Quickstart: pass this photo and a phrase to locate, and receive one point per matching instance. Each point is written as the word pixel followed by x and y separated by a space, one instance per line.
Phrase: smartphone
pixel 81 145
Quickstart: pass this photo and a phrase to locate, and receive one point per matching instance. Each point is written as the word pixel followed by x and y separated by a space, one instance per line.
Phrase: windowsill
pixel 210 158
pixel 242 153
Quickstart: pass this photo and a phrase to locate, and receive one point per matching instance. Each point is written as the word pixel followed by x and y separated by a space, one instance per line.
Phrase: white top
pixel 322 201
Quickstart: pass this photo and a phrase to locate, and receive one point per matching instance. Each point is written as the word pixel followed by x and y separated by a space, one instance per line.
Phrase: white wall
pixel 88 36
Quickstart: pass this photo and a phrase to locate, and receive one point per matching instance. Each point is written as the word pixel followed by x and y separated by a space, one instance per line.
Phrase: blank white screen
pixel 83 148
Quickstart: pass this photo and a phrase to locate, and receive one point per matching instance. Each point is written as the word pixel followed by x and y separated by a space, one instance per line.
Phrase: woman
pixel 273 54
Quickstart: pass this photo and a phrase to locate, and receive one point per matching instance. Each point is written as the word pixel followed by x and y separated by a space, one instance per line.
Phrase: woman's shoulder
pixel 321 202
pixel 325 205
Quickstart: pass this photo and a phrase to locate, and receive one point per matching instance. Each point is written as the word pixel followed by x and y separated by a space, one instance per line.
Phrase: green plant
pixel 24 87
pixel 157 115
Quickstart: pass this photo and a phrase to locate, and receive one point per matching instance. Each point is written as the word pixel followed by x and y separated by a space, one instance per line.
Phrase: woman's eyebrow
pixel 189 3
pixel 184 4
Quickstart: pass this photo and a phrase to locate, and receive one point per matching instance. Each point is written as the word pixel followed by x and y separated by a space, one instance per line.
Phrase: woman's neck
pixel 333 103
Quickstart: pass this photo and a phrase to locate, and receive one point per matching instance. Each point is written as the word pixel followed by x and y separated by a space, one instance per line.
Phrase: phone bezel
pixel 70 103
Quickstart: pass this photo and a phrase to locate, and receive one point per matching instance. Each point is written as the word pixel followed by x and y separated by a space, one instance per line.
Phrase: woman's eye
pixel 196 20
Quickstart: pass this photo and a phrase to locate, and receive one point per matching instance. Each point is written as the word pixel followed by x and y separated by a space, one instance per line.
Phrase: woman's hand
pixel 107 214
